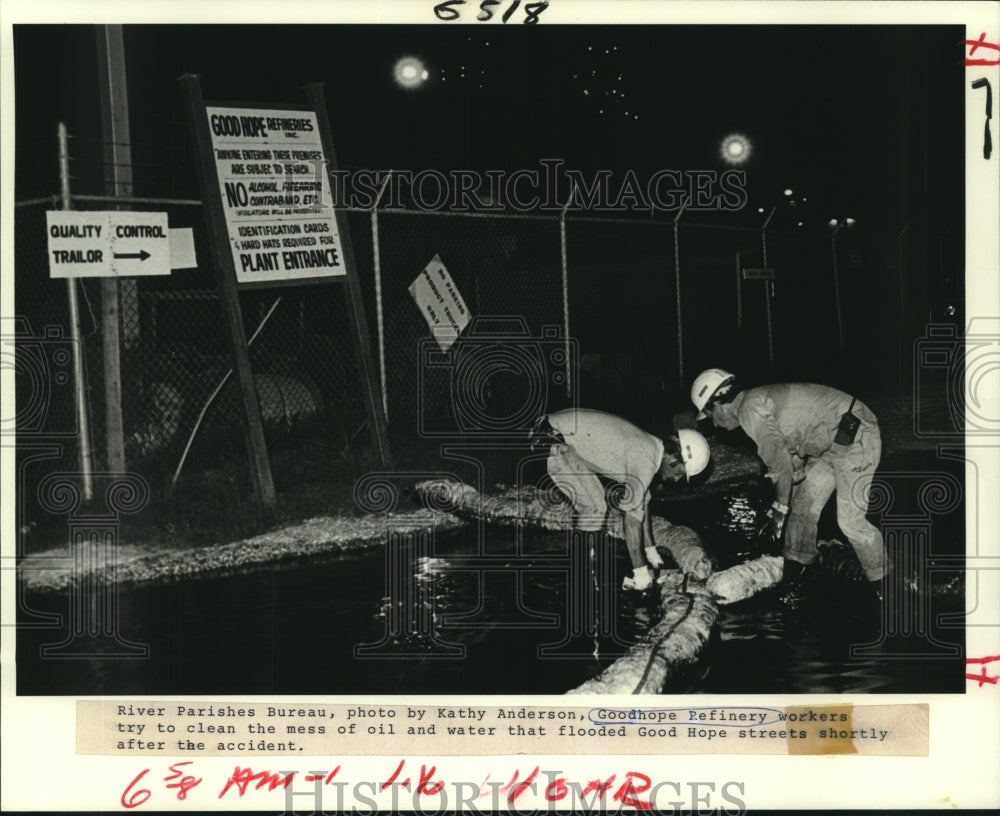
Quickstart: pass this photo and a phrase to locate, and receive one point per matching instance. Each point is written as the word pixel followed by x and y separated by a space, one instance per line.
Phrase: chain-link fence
pixel 647 303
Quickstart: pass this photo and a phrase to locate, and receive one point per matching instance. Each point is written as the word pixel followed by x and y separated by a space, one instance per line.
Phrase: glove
pixel 640 580
pixel 653 557
pixel 777 514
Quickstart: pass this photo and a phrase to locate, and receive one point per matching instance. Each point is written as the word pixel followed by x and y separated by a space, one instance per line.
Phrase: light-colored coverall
pixel 794 426
pixel 596 442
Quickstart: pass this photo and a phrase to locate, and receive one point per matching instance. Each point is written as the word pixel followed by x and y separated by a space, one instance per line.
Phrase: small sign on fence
pixel 756 273
pixel 440 303
pixel 85 244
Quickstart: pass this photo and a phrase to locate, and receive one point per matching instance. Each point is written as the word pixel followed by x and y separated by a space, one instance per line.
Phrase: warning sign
pixel 276 194
pixel 107 244
pixel 440 303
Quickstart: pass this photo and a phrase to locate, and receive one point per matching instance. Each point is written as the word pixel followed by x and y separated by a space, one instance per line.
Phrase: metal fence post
pixel 355 306
pixel 769 287
pixel 79 384
pixel 739 290
pixel 677 288
pixel 836 285
pixel 379 319
pixel 565 289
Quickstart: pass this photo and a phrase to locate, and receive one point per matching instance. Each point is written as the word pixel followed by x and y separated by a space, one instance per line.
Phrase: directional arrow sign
pixel 107 244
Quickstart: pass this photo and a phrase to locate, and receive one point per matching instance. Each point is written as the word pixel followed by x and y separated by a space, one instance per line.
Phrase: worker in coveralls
pixel 814 440
pixel 586 443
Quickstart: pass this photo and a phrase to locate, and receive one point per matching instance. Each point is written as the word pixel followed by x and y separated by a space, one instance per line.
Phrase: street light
pixel 765 273
pixel 837 225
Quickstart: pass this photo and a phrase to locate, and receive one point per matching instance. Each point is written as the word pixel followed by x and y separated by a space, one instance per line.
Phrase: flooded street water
pixel 296 629
pixel 449 617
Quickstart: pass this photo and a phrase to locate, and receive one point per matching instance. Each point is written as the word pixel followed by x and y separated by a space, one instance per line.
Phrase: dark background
pixel 865 122
pixel 860 122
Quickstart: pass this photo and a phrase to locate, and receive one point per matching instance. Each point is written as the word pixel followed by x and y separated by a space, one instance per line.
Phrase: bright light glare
pixel 735 149
pixel 409 72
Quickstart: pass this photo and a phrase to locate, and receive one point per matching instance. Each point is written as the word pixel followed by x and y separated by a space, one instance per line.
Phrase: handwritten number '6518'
pixel 447 11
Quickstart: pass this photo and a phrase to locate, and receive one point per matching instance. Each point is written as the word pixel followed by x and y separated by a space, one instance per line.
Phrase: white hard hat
pixel 706 385
pixel 694 451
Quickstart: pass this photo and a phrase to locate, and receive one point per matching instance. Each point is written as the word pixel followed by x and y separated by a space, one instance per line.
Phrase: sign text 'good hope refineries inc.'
pixel 275 191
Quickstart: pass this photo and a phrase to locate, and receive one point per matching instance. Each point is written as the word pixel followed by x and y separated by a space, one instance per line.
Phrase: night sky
pixel 861 122
pixel 857 119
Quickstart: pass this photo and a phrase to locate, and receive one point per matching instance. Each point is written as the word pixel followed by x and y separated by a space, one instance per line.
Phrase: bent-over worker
pixel 817 439
pixel 588 443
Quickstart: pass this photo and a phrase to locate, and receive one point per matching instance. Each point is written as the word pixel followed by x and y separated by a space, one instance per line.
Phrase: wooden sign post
pixel 356 306
pixel 265 179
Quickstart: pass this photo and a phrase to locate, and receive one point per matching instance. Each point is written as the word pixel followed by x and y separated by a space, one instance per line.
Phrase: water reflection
pixel 528 624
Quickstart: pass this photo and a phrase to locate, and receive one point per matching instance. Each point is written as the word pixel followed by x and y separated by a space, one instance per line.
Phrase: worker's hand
pixel 777 515
pixel 653 557
pixel 640 580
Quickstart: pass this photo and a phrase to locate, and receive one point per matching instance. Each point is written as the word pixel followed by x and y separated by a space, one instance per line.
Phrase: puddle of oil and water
pixel 498 616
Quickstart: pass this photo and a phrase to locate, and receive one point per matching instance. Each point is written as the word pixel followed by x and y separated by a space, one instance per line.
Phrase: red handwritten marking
pixel 133 799
pixel 625 793
pixel 395 775
pixel 327 779
pixel 425 785
pixel 600 787
pixel 982 677
pixel 514 789
pixel 242 777
pixel 521 787
pixel 556 790
pixel 981 43
pixel 513 779
pixel 186 782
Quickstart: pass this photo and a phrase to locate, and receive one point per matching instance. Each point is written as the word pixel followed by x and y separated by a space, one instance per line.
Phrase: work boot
pixel 796 580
